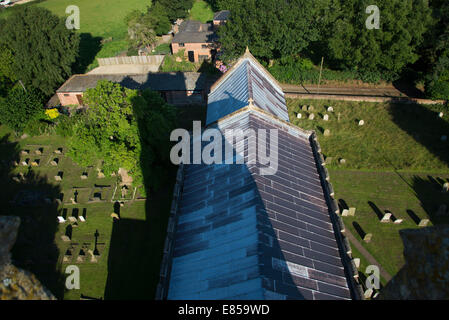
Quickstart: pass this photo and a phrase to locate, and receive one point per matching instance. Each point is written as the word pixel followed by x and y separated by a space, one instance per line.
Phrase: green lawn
pixel 102 19
pixel 201 11
pixel 395 162
pixel 125 268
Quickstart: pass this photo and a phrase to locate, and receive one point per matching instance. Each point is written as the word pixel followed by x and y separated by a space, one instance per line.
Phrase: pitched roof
pixel 169 81
pixel 247 79
pixel 241 235
pixel 191 31
pixel 222 15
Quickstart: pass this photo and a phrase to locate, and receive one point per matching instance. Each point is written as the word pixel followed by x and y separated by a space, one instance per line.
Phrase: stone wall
pixel 16 284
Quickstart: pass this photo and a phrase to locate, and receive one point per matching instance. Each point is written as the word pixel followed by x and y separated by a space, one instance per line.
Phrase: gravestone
pixel 357 262
pixel 342 161
pixel 84 176
pixel 115 216
pixel 304 108
pixel 351 212
pixel 311 116
pixel 25 162
pixel 367 238
pixel 441 114
pixel 361 123
pixel 54 162
pixel 310 108
pixel 330 109
pixel 386 218
pixel 423 223
pixel 446 187
pixel 327 133
pixel 328 160
pixel 35 163
pixel 25 152
pixel 299 115
pixel 82 219
pixel 326 117
pixel 65 238
pixel 368 293
pixel 58 151
pixel 61 219
pixel 345 213
pixel 93 257
pixel 72 219
pixel 81 256
pixel 58 178
pixel 39 151
pixel 398 221
pixel 100 174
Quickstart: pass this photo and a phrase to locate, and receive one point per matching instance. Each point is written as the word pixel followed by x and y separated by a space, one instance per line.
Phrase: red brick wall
pixel 195 47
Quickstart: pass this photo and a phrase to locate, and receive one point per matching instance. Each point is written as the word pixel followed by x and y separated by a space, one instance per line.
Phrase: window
pixel 181 44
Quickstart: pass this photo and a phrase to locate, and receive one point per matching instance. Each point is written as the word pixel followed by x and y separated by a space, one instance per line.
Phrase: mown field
pixel 395 162
pixel 98 20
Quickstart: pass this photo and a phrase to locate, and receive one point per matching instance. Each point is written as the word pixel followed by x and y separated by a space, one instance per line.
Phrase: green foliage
pixel 20 107
pixel 43 48
pixel 386 51
pixel 271 29
pixel 140 29
pixel 159 19
pixel 65 124
pixel 7 76
pixel 172 65
pixel 176 8
pixel 126 129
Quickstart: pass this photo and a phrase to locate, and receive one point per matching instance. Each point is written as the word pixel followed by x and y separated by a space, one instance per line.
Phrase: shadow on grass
pixel 30 197
pixel 136 246
pixel 431 196
pixel 88 48
pixel 424 126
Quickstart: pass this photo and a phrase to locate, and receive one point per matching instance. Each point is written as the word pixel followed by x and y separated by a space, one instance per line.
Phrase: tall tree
pixel 124 128
pixel 351 45
pixel 43 48
pixel 271 29
pixel 176 8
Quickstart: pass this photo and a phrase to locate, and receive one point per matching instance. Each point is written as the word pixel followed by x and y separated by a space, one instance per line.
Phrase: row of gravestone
pixel 69 253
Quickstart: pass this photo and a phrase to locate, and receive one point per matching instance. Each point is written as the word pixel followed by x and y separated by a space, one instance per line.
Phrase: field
pixel 201 11
pixel 395 162
pixel 98 20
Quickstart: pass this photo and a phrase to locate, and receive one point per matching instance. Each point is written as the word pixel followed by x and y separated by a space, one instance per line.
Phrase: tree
pixel 140 29
pixel 380 52
pixel 20 107
pixel 7 77
pixel 43 48
pixel 176 8
pixel 283 27
pixel 124 128
pixel 159 19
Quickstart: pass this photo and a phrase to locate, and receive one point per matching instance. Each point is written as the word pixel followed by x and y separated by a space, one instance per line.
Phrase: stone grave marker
pixel 398 221
pixel 330 109
pixel 61 219
pixel 299 115
pixel 310 108
pixel 361 122
pixel 357 262
pixel 72 219
pixel 342 161
pixel 446 187
pixel 54 162
pixel 368 293
pixel 423 222
pixel 304 108
pixel 84 176
pixel 367 238
pixel 39 151
pixel 327 133
pixel 326 117
pixel 24 152
pixel 351 212
pixel 311 116
pixel 65 238
pixel 115 216
pixel 345 213
pixel 35 163
pixel 441 115
pixel 386 218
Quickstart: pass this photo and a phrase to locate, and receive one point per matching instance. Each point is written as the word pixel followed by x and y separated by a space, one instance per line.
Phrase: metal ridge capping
pixel 337 222
pixel 164 274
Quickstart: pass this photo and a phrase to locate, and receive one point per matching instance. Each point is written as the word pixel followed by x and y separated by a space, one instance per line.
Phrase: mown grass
pixel 394 136
pixel 395 161
pixel 201 11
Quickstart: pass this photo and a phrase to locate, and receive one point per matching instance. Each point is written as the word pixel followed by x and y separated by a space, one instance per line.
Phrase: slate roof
pixel 241 235
pixel 237 234
pixel 195 32
pixel 222 15
pixel 247 79
pixel 169 81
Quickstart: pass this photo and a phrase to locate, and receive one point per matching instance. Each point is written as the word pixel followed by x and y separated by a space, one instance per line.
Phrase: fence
pixel 151 60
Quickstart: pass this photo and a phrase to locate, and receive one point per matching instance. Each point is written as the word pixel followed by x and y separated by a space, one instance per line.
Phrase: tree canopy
pixel 126 129
pixel 43 48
